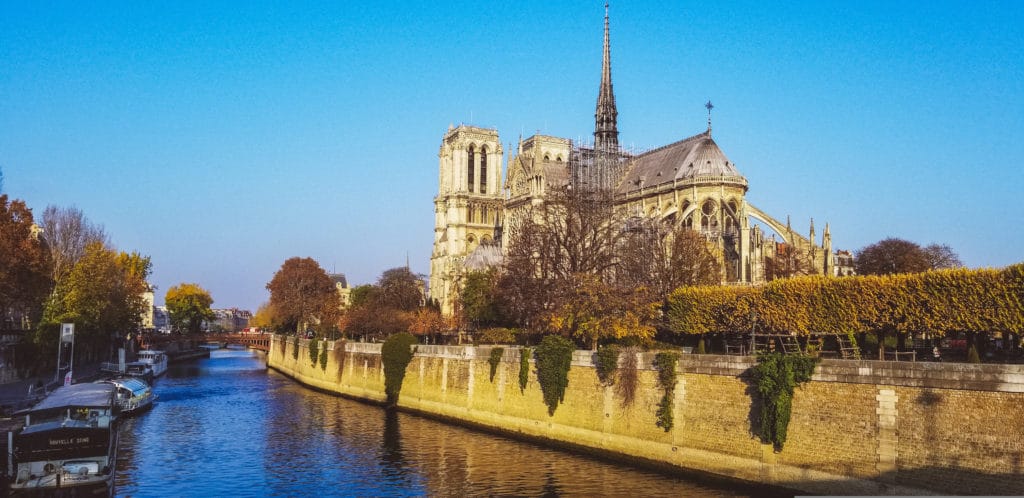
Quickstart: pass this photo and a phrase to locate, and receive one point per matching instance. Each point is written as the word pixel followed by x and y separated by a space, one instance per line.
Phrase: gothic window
pixel 483 212
pixel 709 218
pixel 483 170
pixel 472 162
pixel 469 214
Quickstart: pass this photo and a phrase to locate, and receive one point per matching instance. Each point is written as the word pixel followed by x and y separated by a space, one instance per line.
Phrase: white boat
pixel 68 445
pixel 157 360
pixel 133 395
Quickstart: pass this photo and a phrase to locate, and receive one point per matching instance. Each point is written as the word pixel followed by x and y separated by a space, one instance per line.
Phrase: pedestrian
pixel 936 354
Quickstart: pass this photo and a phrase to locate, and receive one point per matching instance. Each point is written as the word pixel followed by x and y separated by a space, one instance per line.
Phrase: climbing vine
pixel 396 353
pixel 314 351
pixel 295 347
pixel 524 368
pixel 665 363
pixel 628 379
pixel 606 362
pixel 776 375
pixel 323 357
pixel 339 356
pixel 554 357
pixel 495 360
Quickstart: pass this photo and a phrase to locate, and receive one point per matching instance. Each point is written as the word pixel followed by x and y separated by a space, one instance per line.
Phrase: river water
pixel 227 426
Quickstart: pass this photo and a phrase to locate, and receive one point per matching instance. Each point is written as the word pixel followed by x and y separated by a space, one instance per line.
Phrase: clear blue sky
pixel 222 139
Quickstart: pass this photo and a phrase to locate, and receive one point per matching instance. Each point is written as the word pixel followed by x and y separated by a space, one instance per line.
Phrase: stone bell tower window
pixel 469 167
pixel 483 170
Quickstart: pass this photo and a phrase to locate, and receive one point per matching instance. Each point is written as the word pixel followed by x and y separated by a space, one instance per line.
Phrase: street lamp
pixel 753 344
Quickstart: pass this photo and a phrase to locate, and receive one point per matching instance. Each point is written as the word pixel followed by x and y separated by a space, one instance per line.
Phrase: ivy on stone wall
pixel 314 351
pixel 396 353
pixel 554 357
pixel 495 360
pixel 628 376
pixel 606 362
pixel 665 363
pixel 339 356
pixel 323 357
pixel 295 347
pixel 524 368
pixel 776 376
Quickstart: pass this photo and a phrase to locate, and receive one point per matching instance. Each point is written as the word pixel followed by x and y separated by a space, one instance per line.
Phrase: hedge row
pixel 983 300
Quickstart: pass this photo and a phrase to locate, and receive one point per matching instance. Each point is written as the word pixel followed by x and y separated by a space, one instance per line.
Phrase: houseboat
pixel 157 360
pixel 68 446
pixel 139 370
pixel 133 395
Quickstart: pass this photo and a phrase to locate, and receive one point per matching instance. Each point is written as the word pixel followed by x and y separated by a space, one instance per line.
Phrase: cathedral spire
pixel 606 133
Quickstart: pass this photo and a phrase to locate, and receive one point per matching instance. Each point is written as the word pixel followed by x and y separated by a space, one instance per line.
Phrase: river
pixel 227 426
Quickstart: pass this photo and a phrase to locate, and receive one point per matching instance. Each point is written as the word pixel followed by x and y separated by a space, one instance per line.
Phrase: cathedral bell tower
pixel 467 208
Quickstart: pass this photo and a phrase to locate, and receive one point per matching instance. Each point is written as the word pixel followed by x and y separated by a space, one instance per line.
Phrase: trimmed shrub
pixel 495 360
pixel 497 335
pixel 554 357
pixel 396 353
pixel 323 357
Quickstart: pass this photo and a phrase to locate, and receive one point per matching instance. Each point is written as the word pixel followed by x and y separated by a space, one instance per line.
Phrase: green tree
pixel 189 306
pixel 103 296
pixel 25 267
pixel 480 301
pixel 302 294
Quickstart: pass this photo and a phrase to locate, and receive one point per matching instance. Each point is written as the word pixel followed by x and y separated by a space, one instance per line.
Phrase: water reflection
pixel 226 426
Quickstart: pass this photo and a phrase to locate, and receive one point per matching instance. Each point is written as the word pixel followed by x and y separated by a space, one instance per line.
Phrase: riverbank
pixel 860 427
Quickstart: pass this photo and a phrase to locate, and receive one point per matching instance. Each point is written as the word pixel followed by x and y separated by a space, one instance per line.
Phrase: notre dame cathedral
pixel 689 182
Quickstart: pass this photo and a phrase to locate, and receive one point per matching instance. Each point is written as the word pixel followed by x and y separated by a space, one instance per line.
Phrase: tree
pixel 941 257
pixel 789 261
pixel 265 318
pixel 592 310
pixel 188 306
pixel 102 296
pixel 428 321
pixel 302 294
pixel 894 255
pixel 479 299
pixel 68 232
pixel 25 267
pixel 573 232
pixel 663 258
pixel 401 289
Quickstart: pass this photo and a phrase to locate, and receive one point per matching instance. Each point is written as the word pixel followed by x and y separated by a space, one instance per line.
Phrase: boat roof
pixel 131 383
pixel 85 395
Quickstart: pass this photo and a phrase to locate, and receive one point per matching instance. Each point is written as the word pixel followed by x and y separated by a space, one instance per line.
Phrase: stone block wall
pixel 859 427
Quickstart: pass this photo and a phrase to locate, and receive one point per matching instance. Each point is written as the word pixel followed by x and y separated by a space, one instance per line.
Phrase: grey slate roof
pixel 82 395
pixel 696 156
pixel 483 257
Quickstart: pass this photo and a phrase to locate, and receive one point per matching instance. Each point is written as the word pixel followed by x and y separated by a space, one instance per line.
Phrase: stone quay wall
pixel 859 427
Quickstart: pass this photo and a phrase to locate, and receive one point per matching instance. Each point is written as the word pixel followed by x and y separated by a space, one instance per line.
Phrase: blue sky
pixel 223 138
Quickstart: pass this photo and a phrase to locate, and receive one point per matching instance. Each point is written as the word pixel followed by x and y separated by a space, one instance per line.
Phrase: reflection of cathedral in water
pixel 690 183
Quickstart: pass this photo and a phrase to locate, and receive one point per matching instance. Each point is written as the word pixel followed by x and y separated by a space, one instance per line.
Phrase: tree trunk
pixel 881 344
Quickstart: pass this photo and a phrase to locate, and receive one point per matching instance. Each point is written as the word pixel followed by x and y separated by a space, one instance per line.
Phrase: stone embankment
pixel 859 427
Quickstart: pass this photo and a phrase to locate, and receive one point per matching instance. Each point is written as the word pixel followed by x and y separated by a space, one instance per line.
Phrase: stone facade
pixel 689 183
pixel 859 427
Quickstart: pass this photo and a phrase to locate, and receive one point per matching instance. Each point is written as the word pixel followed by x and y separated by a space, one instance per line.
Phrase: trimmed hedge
pixel 984 300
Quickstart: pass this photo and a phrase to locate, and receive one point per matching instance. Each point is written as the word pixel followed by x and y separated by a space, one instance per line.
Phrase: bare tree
pixel 67 231
pixel 662 258
pixel 788 261
pixel 941 256
pixel 574 232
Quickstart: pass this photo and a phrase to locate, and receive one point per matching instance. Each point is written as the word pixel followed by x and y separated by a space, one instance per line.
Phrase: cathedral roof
pixel 694 158
pixel 483 257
